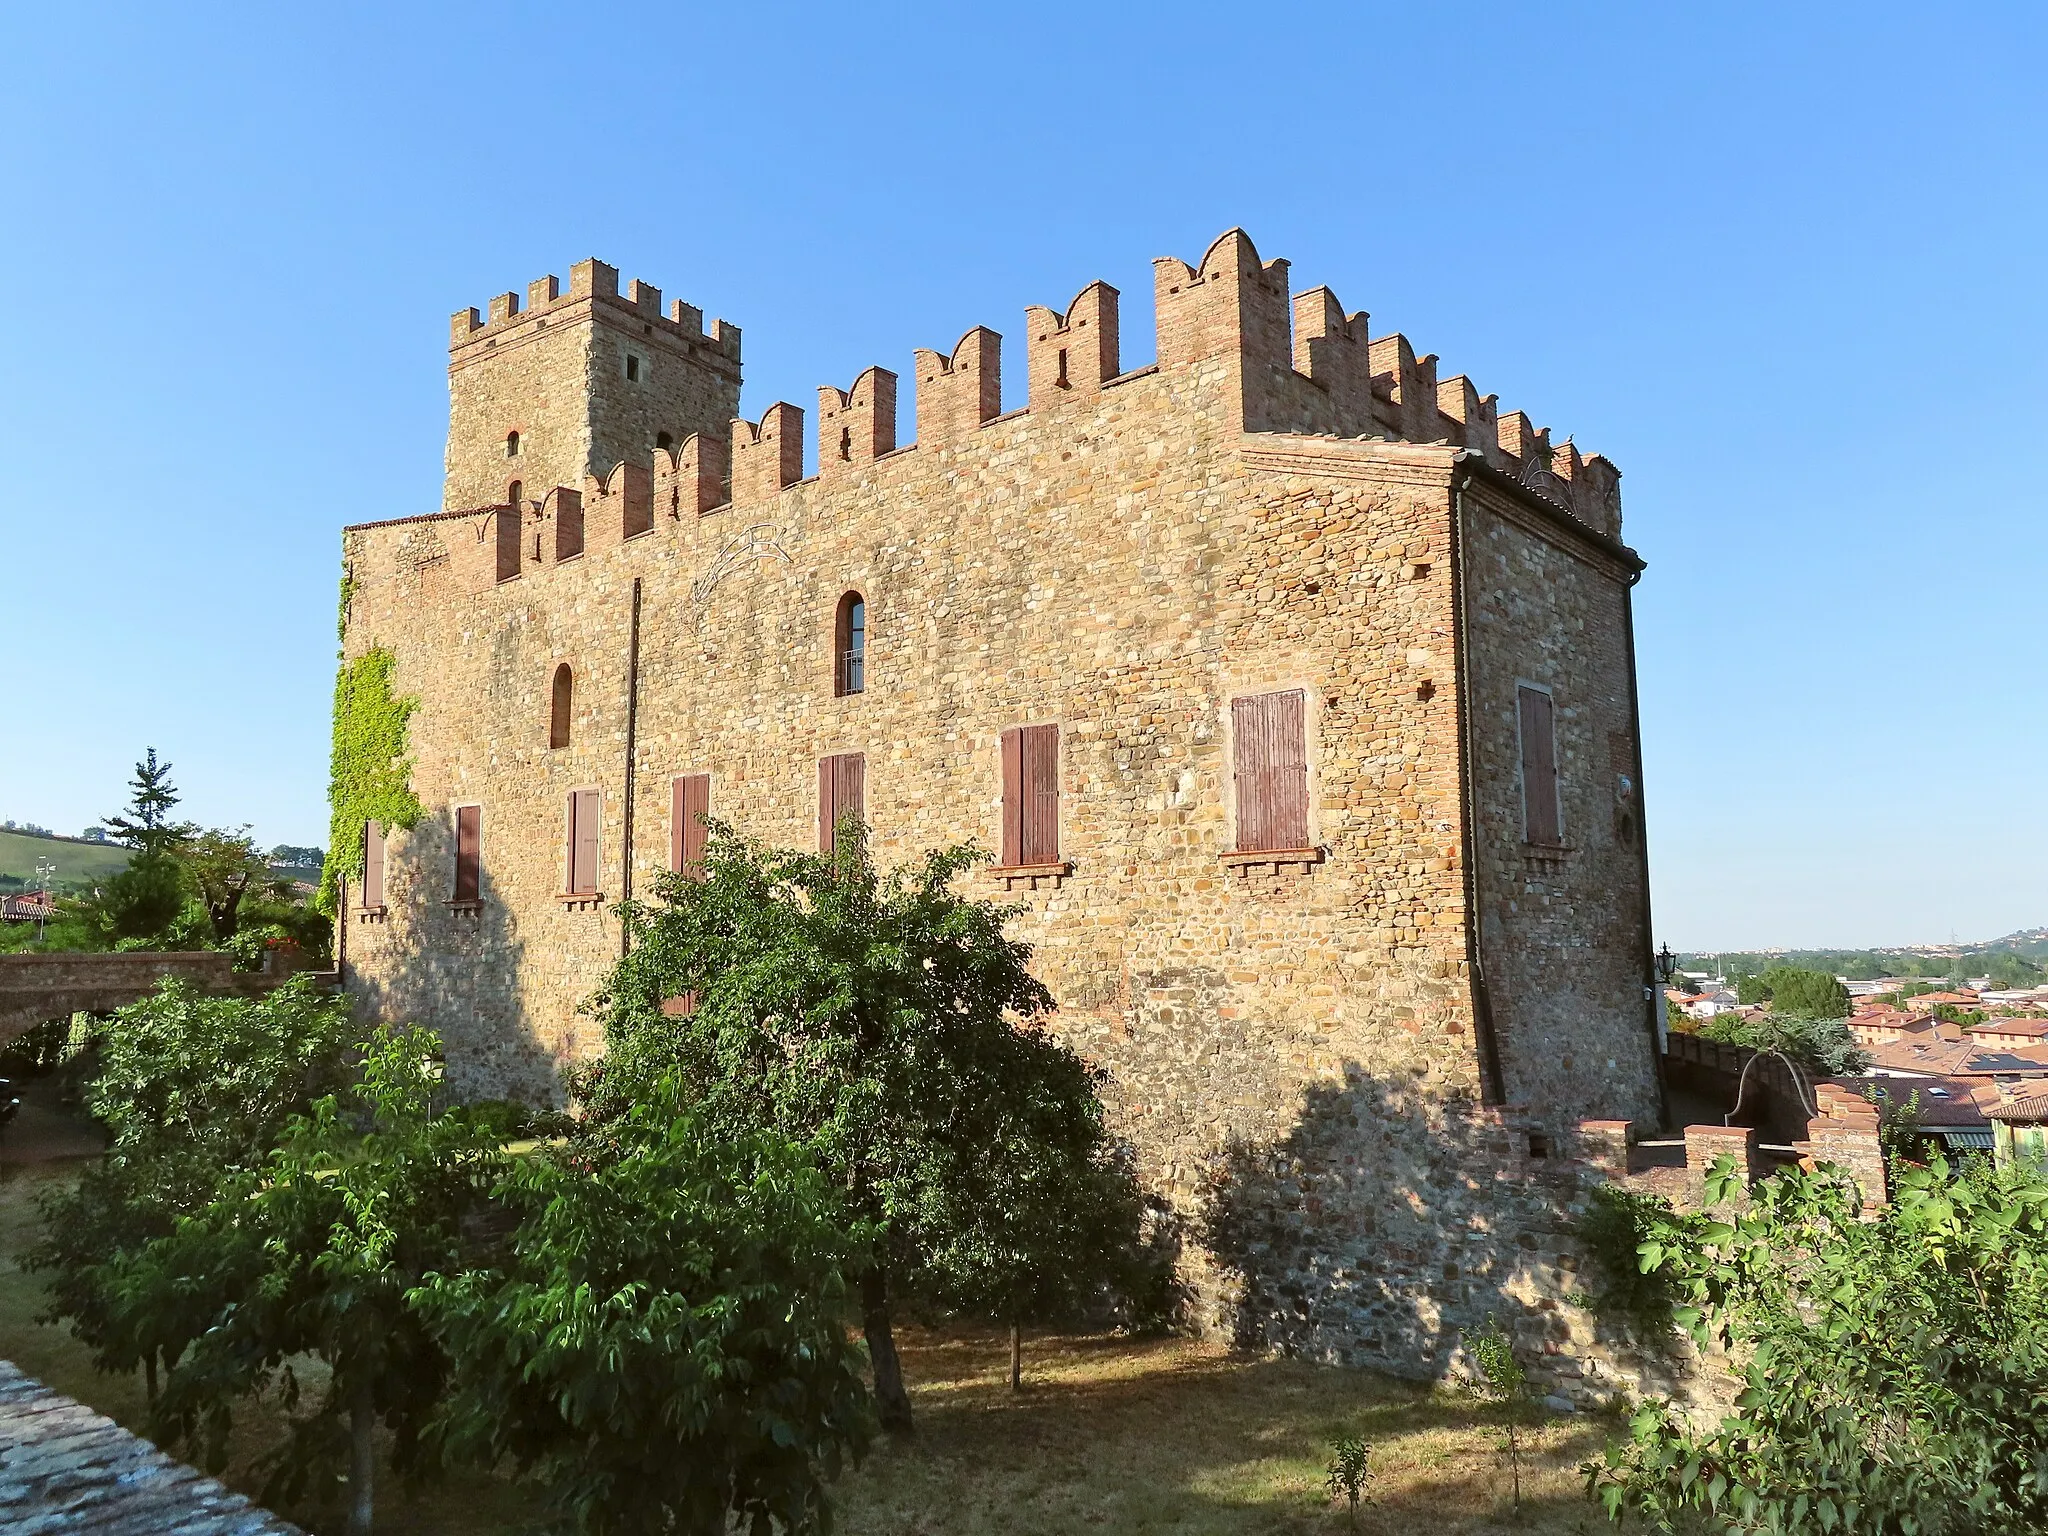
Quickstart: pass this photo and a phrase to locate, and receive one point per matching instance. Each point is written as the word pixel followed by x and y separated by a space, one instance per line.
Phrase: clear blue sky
pixel 1782 264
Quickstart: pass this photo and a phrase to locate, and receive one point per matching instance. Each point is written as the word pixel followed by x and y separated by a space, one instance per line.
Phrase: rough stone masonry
pixel 1329 840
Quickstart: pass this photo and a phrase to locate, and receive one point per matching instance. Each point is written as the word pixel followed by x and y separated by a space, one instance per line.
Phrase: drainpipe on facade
pixel 1492 1076
pixel 632 743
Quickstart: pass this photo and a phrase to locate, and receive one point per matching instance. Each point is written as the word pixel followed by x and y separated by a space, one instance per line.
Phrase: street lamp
pixel 45 872
pixel 1667 963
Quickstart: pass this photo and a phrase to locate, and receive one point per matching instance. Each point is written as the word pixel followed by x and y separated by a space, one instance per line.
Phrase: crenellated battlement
pixel 594 284
pixel 1241 351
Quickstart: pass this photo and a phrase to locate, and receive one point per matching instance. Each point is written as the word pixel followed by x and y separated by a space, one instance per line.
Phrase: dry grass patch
pixel 1116 1435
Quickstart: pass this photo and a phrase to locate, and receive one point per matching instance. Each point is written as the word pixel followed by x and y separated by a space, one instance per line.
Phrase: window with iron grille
pixel 1031 796
pixel 850 646
pixel 1269 733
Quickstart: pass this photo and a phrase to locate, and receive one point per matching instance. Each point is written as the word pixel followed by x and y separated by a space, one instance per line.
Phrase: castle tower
pixel 574 383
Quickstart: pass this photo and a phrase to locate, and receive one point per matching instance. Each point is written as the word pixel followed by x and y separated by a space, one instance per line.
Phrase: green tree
pixel 1751 990
pixel 1806 994
pixel 1891 1369
pixel 223 867
pixel 1503 1381
pixel 314 1255
pixel 888 1026
pixel 1822 1046
pixel 192 1090
pixel 664 1350
pixel 146 825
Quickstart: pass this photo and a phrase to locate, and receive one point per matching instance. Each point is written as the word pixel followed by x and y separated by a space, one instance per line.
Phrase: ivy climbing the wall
pixel 371 777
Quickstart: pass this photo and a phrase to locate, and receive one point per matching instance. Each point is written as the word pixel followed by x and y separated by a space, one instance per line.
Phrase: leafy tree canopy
pixel 664 1347
pixel 147 824
pixel 888 1027
pixel 1824 1046
pixel 1892 1369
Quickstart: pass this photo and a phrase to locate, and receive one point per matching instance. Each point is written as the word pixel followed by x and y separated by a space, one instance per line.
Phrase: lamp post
pixel 45 872
pixel 1667 964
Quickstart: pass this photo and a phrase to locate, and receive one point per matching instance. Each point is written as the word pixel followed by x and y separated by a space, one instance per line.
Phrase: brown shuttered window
pixel 469 848
pixel 585 816
pixel 373 866
pixel 1541 820
pixel 1031 795
pixel 842 787
pixel 689 804
pixel 1270 734
pixel 508 544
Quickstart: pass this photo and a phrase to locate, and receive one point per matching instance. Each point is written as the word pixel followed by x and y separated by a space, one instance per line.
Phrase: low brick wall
pixel 37 988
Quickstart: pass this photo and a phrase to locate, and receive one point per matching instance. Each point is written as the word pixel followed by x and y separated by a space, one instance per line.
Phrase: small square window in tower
pixel 842 792
pixel 1031 796
pixel 373 867
pixel 632 368
pixel 469 847
pixel 690 803
pixel 1270 760
pixel 1542 815
pixel 585 817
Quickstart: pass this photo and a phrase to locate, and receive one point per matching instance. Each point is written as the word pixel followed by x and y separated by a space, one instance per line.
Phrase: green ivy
pixel 371 777
pixel 348 591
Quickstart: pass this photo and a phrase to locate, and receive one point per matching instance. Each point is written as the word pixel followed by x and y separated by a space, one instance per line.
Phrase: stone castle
pixel 1291 687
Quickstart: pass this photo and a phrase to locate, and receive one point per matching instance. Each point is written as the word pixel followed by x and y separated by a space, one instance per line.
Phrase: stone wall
pixel 1290 1044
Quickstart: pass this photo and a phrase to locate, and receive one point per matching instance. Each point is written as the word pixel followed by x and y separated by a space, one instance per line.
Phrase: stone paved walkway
pixel 64 1469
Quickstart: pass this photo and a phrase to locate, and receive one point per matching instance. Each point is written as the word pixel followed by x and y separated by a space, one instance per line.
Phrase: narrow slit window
pixel 842 792
pixel 632 367
pixel 373 866
pixel 508 543
pixel 469 849
pixel 1031 796
pixel 511 445
pixel 560 707
pixel 1270 760
pixel 850 646
pixel 585 816
pixel 690 797
pixel 1542 816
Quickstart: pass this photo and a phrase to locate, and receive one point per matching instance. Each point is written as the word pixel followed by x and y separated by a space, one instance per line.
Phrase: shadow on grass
pixel 1169 1435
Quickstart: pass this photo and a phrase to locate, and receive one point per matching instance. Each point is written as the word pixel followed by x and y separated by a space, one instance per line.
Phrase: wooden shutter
pixel 373 866
pixel 1013 797
pixel 1540 818
pixel 689 803
pixel 1270 746
pixel 469 842
pixel 841 790
pixel 585 819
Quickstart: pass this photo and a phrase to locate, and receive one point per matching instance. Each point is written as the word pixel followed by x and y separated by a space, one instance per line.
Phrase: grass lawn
pixel 78 863
pixel 1109 1434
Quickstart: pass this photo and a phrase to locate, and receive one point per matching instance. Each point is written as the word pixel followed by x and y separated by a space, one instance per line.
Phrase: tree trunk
pixel 1016 1356
pixel 149 1375
pixel 891 1400
pixel 362 1418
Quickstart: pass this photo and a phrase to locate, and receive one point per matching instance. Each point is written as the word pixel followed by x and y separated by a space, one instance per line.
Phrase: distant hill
pixel 78 862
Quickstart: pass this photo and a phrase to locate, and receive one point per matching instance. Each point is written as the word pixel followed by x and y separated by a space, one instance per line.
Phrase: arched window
pixel 663 440
pixel 511 445
pixel 514 491
pixel 850 646
pixel 558 713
